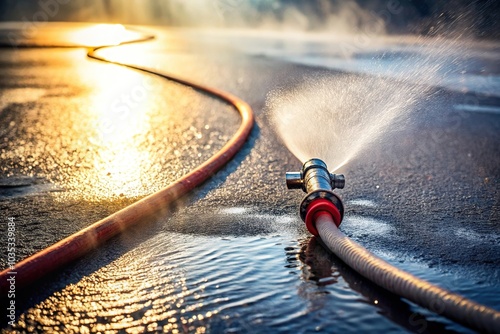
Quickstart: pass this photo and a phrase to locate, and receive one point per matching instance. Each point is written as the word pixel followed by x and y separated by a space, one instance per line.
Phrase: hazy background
pixel 466 18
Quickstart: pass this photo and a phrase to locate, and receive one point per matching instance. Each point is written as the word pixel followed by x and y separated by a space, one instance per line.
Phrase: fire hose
pixel 322 210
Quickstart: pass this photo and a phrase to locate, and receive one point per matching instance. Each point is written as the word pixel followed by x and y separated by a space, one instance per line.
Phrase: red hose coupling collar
pixel 317 206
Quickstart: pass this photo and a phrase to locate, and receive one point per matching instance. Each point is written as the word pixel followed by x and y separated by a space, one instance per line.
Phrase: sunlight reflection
pixel 119 125
pixel 101 34
pixel 92 134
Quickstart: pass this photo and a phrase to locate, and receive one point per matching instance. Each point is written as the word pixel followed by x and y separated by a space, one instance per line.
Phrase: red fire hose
pixel 75 246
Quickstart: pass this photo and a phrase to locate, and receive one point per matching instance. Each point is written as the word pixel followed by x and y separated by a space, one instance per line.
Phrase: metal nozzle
pixel 294 180
pixel 337 181
pixel 317 182
pixel 313 176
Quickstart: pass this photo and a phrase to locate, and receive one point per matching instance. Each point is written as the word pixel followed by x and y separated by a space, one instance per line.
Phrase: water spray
pixel 322 211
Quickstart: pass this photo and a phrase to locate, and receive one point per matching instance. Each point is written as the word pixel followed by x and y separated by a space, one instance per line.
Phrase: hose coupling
pixel 318 183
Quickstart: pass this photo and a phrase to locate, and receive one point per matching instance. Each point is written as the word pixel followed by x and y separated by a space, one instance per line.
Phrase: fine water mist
pixel 280 15
pixel 336 118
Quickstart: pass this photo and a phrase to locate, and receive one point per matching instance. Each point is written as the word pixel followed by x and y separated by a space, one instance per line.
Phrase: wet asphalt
pixel 435 182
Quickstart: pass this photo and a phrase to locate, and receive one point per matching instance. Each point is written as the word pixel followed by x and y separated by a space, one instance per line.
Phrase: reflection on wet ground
pixel 93 137
pixel 82 139
pixel 193 283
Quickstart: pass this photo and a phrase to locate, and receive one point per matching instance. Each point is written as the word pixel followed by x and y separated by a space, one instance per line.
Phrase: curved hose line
pixel 75 246
pixel 423 293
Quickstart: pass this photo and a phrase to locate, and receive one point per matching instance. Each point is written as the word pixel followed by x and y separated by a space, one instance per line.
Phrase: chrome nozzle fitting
pixel 314 175
pixel 337 181
pixel 294 180
pixel 318 183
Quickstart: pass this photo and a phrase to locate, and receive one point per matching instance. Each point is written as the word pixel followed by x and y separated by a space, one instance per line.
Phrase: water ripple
pixel 177 282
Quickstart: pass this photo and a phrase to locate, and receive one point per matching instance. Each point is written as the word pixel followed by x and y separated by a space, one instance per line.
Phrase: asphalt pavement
pixel 233 256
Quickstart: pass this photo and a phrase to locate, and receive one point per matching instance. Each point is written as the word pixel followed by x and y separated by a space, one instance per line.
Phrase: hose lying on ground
pixel 322 211
pixel 434 298
pixel 75 246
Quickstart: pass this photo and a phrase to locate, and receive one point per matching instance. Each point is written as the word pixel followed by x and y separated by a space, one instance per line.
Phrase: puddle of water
pixel 193 282
pixel 225 285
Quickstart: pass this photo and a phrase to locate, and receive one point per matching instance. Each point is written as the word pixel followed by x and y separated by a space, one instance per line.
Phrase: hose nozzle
pixel 315 180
